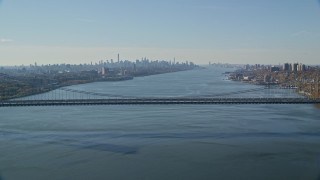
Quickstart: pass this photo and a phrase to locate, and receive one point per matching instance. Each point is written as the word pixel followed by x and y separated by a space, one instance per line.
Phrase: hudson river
pixel 161 142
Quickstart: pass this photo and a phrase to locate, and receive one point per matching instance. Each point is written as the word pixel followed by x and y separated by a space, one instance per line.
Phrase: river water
pixel 162 141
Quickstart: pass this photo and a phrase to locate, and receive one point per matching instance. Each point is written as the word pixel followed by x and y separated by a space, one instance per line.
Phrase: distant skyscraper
pixel 118 58
pixel 286 67
pixel 301 67
pixel 295 67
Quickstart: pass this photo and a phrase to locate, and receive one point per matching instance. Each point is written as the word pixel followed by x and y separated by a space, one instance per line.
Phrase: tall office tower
pixel 301 67
pixel 295 67
pixel 286 67
pixel 118 58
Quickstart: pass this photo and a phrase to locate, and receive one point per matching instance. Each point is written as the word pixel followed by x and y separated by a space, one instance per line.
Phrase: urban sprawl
pixel 20 81
pixel 289 75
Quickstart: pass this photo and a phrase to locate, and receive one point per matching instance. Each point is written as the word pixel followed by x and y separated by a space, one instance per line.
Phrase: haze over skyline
pixel 233 31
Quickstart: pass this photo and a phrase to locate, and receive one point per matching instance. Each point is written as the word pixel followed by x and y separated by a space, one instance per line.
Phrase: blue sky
pixel 231 31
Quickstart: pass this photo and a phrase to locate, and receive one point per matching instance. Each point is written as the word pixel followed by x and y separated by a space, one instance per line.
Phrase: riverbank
pixel 306 83
pixel 12 87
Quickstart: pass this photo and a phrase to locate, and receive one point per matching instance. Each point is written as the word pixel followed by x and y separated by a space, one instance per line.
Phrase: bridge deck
pixel 155 101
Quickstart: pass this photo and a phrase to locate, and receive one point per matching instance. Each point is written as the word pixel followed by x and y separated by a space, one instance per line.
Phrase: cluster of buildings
pixel 20 81
pixel 267 74
pixel 296 75
pixel 142 67
pixel 103 67
pixel 294 67
pixel 287 67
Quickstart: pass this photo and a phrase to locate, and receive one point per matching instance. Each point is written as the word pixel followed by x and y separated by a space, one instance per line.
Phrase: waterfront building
pixel 247 78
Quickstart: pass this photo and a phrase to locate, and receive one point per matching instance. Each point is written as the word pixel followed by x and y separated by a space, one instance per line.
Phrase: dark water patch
pixel 261 156
pixel 112 148
pixel 219 144
pixel 219 135
pixel 77 137
pixel 68 140
pixel 76 162
pixel 98 146
pixel 100 141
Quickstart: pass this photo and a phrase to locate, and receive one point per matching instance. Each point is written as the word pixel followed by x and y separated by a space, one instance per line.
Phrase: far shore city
pixel 20 81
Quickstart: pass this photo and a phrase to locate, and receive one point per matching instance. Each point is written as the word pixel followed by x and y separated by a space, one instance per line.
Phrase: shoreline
pixel 45 89
pixel 270 79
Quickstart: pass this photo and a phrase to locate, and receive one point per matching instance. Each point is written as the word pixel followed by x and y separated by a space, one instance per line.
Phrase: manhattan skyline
pixel 250 31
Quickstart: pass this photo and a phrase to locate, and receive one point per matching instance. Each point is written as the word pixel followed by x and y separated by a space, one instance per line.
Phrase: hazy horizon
pixel 78 32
